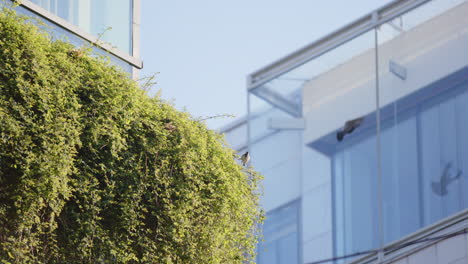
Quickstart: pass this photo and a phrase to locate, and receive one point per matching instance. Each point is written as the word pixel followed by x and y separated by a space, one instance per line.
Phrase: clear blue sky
pixel 203 50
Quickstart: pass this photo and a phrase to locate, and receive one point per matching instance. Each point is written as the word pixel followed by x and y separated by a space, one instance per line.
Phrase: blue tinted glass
pixel 287 247
pixel 400 175
pixel 280 233
pixel 442 159
pixel 356 166
pixel 60 33
pixel 424 156
pixel 462 123
pixel 63 11
pixel 421 152
pixel 110 18
pixel 268 253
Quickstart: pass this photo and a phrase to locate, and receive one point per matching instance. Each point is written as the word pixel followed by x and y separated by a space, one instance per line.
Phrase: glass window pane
pixel 419 61
pixel 280 235
pixel 339 104
pixel 110 20
pixel 462 122
pixel 267 254
pixel 287 247
pixel 60 33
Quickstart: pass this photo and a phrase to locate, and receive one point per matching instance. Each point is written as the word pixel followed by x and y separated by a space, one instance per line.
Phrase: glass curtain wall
pixel 109 19
pixel 423 116
pixel 415 141
pixel 340 106
pixel 276 153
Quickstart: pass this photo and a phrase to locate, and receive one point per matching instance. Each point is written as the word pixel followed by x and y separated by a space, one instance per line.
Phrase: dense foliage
pixel 92 170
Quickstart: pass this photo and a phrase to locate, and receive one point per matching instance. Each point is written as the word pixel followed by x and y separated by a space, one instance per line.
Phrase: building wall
pixel 450 251
pixel 430 51
pixel 334 185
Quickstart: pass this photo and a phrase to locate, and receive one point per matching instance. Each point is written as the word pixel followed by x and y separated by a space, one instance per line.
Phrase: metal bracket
pixel 375 18
pixel 286 123
pixel 398 28
pixel 278 100
pixel 397 69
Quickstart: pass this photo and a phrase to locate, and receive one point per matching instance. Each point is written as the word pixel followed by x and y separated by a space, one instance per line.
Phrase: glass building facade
pixel 362 136
pixel 112 25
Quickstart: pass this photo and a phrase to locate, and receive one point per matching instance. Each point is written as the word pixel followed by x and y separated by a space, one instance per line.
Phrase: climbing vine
pixel 93 170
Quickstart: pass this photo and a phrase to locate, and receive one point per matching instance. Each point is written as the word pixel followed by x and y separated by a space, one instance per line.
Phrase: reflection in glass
pixel 59 33
pixel 290 82
pixel 355 192
pixel 421 160
pixel 109 18
pixel 280 236
pixel 423 118
pixel 424 162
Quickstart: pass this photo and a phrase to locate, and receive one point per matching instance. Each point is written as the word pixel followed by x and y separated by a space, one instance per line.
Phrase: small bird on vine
pixel 245 158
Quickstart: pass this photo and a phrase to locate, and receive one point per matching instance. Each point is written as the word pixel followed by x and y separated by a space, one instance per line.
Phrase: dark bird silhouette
pixel 349 127
pixel 245 158
pixel 440 187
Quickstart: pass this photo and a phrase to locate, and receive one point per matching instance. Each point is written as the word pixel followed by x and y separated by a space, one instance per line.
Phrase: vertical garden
pixel 93 170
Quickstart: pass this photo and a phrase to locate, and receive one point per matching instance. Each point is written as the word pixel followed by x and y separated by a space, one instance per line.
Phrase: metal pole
pixel 380 254
pixel 248 117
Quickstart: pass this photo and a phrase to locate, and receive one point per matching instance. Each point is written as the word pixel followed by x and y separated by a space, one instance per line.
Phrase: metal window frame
pixel 296 202
pixel 315 49
pixel 278 100
pixel 451 224
pixel 132 60
pixel 135 35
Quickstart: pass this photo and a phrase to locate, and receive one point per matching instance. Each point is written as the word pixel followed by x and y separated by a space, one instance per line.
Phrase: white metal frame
pixel 331 41
pixel 136 21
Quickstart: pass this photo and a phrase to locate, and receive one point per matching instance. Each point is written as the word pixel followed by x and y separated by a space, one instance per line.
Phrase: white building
pixel 393 189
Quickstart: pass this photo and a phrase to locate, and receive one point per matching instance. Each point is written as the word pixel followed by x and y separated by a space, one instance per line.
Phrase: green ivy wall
pixel 93 170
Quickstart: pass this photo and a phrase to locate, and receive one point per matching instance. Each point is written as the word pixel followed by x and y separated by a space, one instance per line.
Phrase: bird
pixel 440 187
pixel 245 158
pixel 349 127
